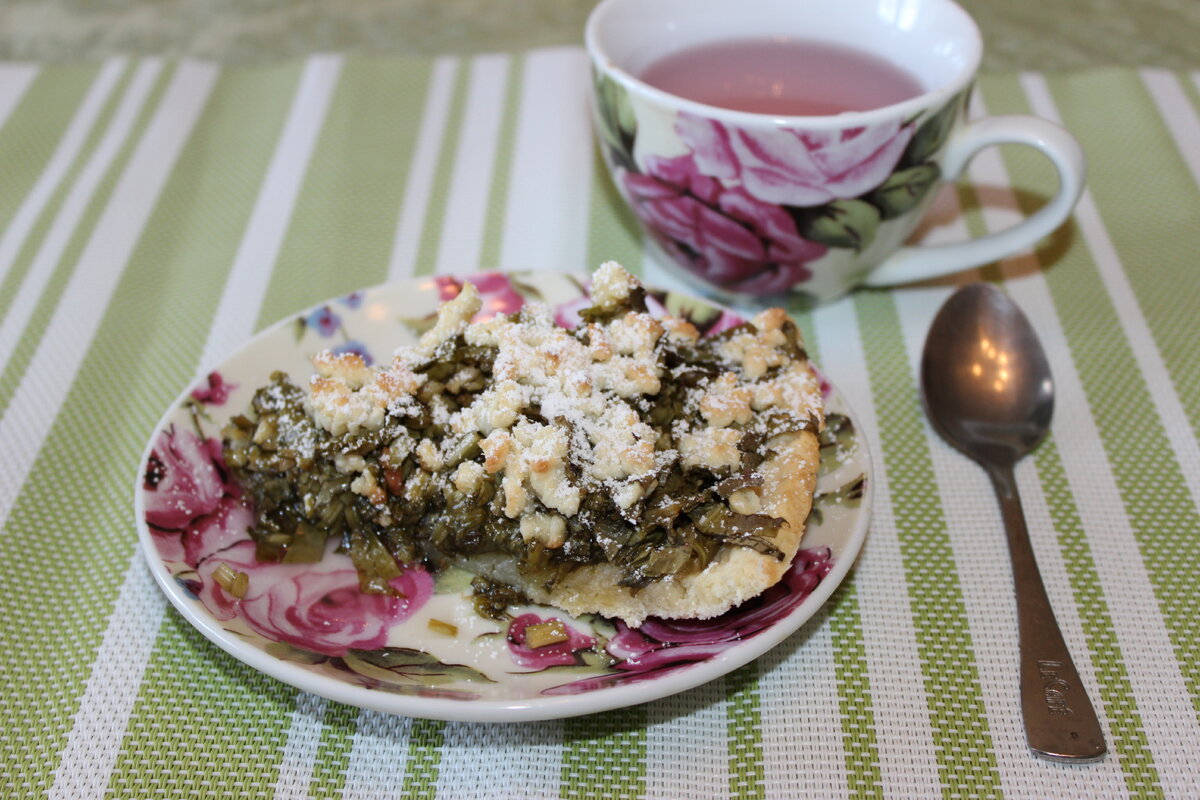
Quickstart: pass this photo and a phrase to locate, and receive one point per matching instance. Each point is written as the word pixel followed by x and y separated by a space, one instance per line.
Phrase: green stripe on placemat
pixel 1148 476
pixel 28 139
pixel 439 191
pixel 425 740
pixel 1161 226
pixel 966 759
pixel 48 657
pixel 493 226
pixel 1189 88
pixel 1128 736
pixel 340 234
pixel 163 329
pixel 613 233
pixel 604 756
pixel 207 724
pixel 863 777
pixel 861 754
pixel 333 751
pixel 47 301
pixel 743 726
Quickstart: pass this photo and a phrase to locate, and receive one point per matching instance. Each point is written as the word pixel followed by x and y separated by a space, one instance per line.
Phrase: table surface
pixel 156 212
pixel 1019 34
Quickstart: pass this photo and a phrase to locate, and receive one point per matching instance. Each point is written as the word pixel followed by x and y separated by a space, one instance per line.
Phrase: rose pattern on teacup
pixel 755 210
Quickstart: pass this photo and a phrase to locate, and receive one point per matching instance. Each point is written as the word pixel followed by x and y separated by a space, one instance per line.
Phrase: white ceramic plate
pixel 309 626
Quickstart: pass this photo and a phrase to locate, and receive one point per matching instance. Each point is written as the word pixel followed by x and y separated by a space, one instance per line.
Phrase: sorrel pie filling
pixel 628 467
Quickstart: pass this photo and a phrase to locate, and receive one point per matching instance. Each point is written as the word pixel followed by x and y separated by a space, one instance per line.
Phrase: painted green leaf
pixel 527 290
pixel 842 223
pixel 618 125
pixel 402 665
pixel 839 441
pixel 289 652
pixel 697 312
pixel 570 669
pixel 850 494
pixel 299 327
pixel 933 133
pixel 904 190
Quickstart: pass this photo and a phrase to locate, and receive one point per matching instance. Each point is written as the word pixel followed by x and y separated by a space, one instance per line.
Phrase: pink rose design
pixel 497 292
pixel 795 167
pixel 551 655
pixel 215 391
pixel 193 508
pixel 723 234
pixel 316 607
pixel 567 314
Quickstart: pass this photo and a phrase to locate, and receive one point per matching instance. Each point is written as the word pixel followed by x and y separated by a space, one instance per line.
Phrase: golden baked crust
pixel 734 576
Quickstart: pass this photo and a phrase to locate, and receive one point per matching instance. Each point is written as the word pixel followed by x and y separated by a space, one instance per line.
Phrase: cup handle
pixel 920 262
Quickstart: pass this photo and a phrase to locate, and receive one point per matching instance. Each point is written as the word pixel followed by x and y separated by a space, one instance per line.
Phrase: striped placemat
pixel 154 214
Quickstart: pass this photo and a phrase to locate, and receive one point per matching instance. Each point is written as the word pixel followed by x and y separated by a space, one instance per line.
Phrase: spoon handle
pixel 1060 723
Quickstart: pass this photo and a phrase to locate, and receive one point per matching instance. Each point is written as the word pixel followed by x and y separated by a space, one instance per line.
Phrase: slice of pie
pixel 628 467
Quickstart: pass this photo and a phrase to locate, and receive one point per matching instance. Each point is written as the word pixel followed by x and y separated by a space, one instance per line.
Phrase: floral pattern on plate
pixel 425 651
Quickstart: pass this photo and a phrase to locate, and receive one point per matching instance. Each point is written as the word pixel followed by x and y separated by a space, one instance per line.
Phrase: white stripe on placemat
pixel 474 161
pixel 1157 684
pixel 300 750
pixel 15 79
pixel 107 701
pixel 60 161
pixel 44 386
pixel 94 742
pixel 1141 341
pixel 421 172
pixel 1178 113
pixel 73 208
pixel 549 196
pixel 485 760
pixel 902 725
pixel 237 311
pixel 250 275
pixel 687 750
pixel 801 715
pixel 976 530
pixel 378 756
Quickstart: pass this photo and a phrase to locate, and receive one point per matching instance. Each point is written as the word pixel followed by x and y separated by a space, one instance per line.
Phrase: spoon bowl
pixel 988 391
pixel 985 377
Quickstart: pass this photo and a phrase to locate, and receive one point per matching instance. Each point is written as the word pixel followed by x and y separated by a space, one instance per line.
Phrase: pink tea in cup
pixel 782 76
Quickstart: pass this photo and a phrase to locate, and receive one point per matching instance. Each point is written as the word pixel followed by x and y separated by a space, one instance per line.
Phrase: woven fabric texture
pixel 156 213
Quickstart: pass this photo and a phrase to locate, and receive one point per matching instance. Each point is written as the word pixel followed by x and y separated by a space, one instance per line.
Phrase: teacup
pixel 748 205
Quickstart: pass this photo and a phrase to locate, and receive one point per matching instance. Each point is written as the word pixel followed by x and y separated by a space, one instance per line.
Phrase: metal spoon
pixel 988 391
